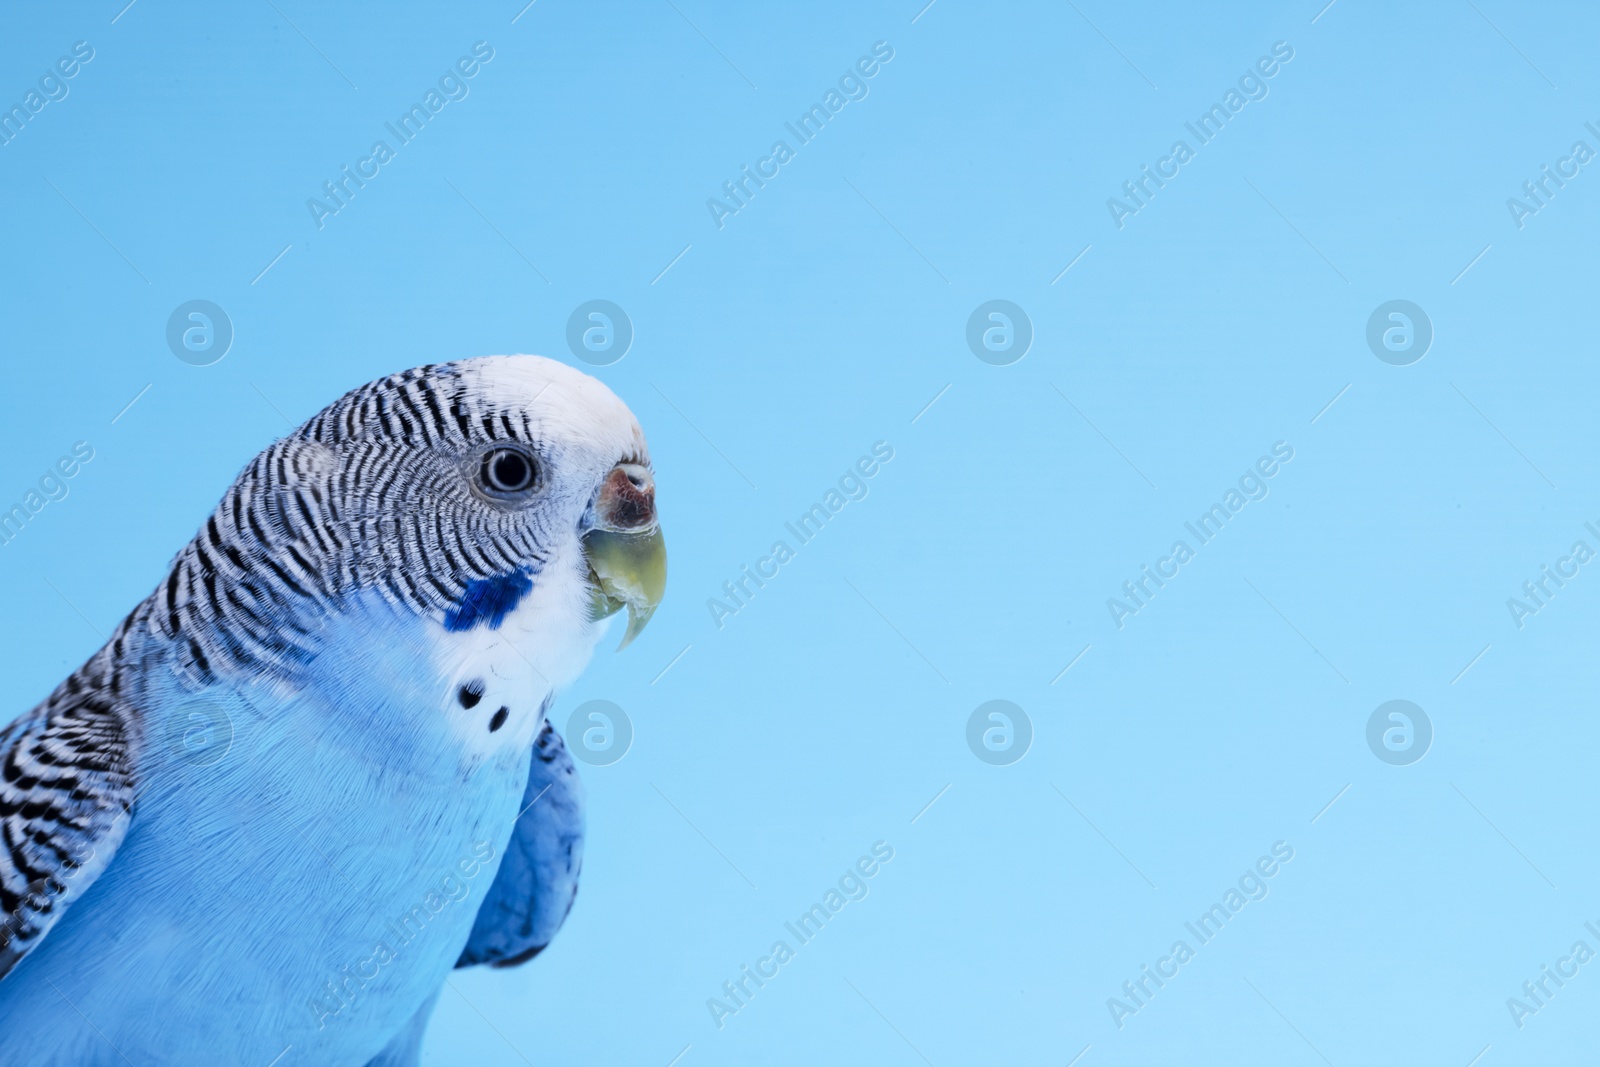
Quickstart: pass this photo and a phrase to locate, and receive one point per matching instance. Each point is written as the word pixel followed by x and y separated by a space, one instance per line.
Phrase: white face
pixel 583 430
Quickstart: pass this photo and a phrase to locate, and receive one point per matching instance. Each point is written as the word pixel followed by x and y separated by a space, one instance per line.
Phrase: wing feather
pixel 66 798
pixel 538 876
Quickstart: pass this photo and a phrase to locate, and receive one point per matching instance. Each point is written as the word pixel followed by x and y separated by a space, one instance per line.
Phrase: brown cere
pixel 624 505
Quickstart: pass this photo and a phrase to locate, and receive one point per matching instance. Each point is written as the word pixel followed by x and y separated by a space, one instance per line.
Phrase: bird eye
pixel 507 472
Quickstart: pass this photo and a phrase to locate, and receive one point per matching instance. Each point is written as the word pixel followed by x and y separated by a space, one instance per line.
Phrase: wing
pixel 66 798
pixel 538 876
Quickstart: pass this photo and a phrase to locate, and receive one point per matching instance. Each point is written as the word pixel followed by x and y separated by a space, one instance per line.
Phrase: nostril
pixel 627 498
pixel 639 476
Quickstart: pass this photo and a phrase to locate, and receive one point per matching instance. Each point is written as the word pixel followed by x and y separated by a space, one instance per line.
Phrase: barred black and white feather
pixel 66 795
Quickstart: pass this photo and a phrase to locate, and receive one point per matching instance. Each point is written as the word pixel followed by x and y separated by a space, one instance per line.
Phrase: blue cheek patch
pixel 489 601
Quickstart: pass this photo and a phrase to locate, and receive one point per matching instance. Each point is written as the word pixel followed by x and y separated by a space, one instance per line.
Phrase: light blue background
pixel 822 318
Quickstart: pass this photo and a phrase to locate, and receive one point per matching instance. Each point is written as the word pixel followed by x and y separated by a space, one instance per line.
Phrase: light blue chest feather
pixel 303 868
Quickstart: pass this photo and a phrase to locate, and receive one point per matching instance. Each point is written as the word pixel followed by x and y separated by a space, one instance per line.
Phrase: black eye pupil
pixel 508 471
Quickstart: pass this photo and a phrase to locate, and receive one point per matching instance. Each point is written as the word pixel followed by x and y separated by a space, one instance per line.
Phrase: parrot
pixel 313 772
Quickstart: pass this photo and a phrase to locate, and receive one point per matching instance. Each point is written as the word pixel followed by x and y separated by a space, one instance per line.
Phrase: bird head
pixel 453 487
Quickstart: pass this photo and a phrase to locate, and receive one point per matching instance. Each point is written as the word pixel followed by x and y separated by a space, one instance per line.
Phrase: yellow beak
pixel 626 569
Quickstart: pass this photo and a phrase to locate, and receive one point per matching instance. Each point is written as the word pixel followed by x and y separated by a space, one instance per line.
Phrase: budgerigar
pixel 311 773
